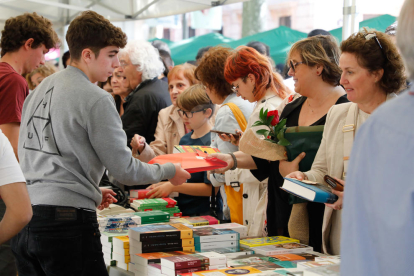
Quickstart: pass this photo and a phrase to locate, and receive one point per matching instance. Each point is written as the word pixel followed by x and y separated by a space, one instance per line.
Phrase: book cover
pixel 309 190
pixel 161 232
pixel 295 257
pixel 184 261
pixel 334 258
pixel 241 229
pixel 150 217
pixel 216 244
pixel 307 265
pixel 121 242
pixel 162 243
pixel 137 250
pixel 329 270
pixel 214 258
pixel 254 242
pixel 276 249
pixel 210 234
pixel 230 252
pixel 244 270
pixel 205 149
pixel 155 257
pixel 260 262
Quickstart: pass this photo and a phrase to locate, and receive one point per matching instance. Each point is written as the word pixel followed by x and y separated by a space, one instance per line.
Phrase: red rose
pixel 290 98
pixel 275 120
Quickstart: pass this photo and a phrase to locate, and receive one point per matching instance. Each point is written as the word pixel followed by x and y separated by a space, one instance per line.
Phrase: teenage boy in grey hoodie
pixel 70 132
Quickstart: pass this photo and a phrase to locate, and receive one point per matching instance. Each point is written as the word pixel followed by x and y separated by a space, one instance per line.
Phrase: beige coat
pixel 170 129
pixel 329 160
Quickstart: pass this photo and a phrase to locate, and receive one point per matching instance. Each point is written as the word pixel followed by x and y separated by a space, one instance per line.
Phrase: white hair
pixel 145 57
pixel 405 36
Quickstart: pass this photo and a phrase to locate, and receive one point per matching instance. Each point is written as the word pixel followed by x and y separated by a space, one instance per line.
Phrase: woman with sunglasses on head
pixel 372 71
pixel 314 68
pixel 120 89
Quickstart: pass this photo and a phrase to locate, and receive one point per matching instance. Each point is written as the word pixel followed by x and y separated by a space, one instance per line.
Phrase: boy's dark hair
pixel 65 58
pixel 166 60
pixel 17 30
pixel 201 52
pixel 260 47
pixel 318 32
pixel 93 31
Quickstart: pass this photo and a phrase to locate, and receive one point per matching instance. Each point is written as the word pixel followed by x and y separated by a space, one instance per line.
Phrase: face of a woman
pixel 37 79
pixel 176 85
pixel 244 87
pixel 357 81
pixel 302 75
pixel 119 83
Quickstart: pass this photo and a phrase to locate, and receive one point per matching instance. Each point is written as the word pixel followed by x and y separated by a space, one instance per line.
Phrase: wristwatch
pixel 234 161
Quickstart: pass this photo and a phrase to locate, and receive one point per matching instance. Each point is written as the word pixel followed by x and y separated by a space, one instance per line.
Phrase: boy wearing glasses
pixel 195 109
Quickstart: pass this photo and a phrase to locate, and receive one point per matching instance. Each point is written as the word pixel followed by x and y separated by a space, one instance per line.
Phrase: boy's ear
pixel 28 44
pixel 209 112
pixel 87 55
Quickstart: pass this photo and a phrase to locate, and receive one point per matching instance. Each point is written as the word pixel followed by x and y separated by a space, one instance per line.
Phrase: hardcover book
pixel 309 190
pixel 161 232
pixel 260 262
pixel 209 234
pixel 184 261
pixel 276 249
pixel 249 243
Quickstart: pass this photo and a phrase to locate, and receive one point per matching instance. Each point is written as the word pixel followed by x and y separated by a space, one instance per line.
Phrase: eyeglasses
pixel 293 65
pixel 189 114
pixel 235 89
pixel 368 36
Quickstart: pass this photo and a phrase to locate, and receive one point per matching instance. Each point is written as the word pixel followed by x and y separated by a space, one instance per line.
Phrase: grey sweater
pixel 70 131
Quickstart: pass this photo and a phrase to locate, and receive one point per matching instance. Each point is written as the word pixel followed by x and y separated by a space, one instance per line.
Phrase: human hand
pixel 161 191
pixel 137 143
pixel 234 139
pixel 338 205
pixel 286 167
pixel 224 157
pixel 297 175
pixel 107 198
pixel 180 176
pixel 152 186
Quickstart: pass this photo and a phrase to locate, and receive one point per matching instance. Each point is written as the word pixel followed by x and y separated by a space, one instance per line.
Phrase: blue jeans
pixel 59 241
pixel 7 262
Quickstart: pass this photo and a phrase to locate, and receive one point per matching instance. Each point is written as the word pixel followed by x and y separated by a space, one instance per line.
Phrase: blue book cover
pixel 210 234
pixel 313 191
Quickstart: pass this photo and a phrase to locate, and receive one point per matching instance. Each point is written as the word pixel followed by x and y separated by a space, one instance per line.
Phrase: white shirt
pixel 10 171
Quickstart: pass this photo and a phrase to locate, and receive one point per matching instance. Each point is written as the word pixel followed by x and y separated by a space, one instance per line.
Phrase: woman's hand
pixel 152 186
pixel 107 198
pixel 286 167
pixel 231 138
pixel 161 191
pixel 137 144
pixel 224 157
pixel 298 175
pixel 338 205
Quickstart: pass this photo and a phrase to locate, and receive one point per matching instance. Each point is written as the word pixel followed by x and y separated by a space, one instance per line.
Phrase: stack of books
pixel 232 253
pixel 107 246
pixel 161 204
pixel 161 237
pixel 233 226
pixel 172 266
pixel 142 262
pixel 255 242
pixel 260 262
pixel 284 248
pixel 197 221
pixel 122 222
pixel 120 251
pixel 208 238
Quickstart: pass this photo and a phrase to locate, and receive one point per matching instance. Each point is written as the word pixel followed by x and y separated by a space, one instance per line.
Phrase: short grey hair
pixel 145 57
pixel 405 36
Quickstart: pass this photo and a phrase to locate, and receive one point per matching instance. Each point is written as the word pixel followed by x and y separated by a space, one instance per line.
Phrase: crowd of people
pixel 118 104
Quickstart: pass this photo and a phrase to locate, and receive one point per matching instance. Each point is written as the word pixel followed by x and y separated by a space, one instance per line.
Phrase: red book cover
pixel 170 202
pixel 211 220
pixel 191 269
pixel 185 261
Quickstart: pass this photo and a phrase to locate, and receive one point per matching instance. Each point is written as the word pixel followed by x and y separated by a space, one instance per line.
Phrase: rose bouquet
pixel 276 129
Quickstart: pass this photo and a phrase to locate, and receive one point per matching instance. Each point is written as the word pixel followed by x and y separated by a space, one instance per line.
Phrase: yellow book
pixel 185 231
pixel 188 249
pixel 247 243
pixel 121 242
pixel 243 270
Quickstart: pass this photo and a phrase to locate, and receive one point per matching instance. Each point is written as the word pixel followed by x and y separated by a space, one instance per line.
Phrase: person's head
pixel 161 45
pixel 260 47
pixel 210 72
pixel 405 36
pixel 32 36
pixel 167 61
pixel 140 62
pixel 35 77
pixel 106 85
pixel 391 31
pixel 316 32
pixel 250 74
pixel 119 82
pixel 370 62
pixel 94 44
pixel 201 53
pixel 180 78
pixel 195 107
pixel 314 59
pixel 66 59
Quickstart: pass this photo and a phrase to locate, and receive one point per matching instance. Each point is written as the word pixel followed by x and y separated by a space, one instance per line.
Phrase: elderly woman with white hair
pixel 142 65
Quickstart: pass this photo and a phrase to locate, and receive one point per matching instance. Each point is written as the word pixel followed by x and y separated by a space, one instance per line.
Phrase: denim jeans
pixel 59 241
pixel 7 262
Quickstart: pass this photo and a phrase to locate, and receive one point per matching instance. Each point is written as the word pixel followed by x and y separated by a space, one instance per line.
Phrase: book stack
pixel 284 248
pixel 172 266
pixel 255 242
pixel 120 251
pixel 232 253
pixel 142 261
pixel 233 226
pixel 197 221
pixel 113 209
pixel 260 262
pixel 107 246
pixel 161 237
pixel 208 238
pixel 161 204
pixel 143 193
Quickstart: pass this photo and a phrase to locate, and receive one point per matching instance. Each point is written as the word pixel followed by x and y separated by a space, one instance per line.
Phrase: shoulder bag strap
pixel 241 120
pixel 349 133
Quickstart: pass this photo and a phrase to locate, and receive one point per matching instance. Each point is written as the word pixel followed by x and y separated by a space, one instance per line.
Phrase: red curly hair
pixel 246 60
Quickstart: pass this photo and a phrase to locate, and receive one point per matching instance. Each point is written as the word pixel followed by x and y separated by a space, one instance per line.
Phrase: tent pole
pixel 350 20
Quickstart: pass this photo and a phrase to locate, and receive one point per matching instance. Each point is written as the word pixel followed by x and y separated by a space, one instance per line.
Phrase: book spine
pixel 191 269
pixel 160 236
pixel 169 243
pixel 167 249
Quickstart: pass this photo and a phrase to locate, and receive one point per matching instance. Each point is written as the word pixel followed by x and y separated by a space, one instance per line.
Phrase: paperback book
pixel 184 261
pixel 209 234
pixel 260 262
pixel 161 232
pixel 255 242
pixel 309 190
pixel 217 244
pixel 244 270
pixel 296 257
pixel 241 229
pixel 155 257
pixel 276 249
